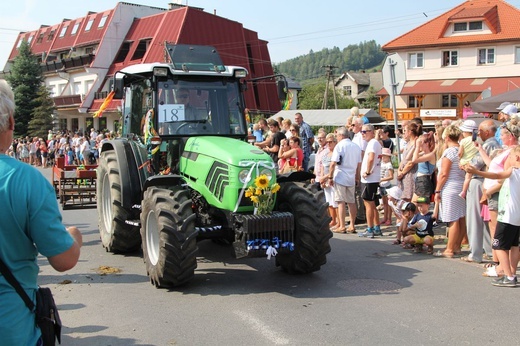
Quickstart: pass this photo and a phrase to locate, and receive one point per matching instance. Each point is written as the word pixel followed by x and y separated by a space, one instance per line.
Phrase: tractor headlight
pixel 160 71
pixel 240 73
pixel 242 176
pixel 267 172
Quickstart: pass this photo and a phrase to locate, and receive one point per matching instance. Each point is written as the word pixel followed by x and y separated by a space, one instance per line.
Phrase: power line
pixel 417 15
pixel 11 29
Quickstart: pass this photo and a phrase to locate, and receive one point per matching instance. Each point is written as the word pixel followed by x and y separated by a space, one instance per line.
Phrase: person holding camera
pixel 31 224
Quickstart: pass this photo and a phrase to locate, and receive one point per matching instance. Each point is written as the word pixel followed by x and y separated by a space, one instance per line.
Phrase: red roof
pixel 54 43
pixel 185 25
pixel 43 39
pixel 458 86
pixel 500 17
pixel 66 41
pixel 236 45
pixel 95 33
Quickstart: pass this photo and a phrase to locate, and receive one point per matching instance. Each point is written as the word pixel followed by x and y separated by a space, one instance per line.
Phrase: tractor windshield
pixel 199 107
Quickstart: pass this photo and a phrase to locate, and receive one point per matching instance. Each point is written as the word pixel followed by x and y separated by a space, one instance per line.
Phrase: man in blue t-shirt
pixel 31 224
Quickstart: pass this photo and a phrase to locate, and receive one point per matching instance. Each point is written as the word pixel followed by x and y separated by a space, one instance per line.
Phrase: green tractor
pixel 182 169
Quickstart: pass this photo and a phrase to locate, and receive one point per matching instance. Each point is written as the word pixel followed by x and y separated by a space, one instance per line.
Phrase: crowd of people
pixel 78 149
pixel 289 144
pixel 458 174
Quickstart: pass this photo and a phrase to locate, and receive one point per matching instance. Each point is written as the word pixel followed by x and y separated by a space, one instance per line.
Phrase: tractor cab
pixel 195 95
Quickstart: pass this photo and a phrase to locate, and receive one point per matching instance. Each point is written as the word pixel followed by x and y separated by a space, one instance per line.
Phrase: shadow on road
pixel 96 340
pixel 354 267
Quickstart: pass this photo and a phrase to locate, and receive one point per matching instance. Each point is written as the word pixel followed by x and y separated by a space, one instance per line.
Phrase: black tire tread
pixel 121 237
pixel 178 244
pixel 311 234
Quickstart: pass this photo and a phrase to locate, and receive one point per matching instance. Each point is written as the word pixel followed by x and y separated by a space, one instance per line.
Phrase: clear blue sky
pixel 291 27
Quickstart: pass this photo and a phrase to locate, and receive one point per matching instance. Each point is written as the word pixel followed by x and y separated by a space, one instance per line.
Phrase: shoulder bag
pixel 47 316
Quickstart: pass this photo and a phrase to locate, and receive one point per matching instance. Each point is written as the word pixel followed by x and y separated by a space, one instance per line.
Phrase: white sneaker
pixel 491 272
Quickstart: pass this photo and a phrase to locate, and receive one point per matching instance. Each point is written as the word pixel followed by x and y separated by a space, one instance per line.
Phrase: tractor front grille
pixel 254 234
pixel 218 179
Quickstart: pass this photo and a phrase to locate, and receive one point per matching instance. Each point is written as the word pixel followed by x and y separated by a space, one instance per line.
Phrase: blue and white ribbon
pixel 270 245
pixel 271 251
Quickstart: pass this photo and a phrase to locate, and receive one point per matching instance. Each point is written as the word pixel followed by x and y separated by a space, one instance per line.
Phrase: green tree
pixel 42 120
pixel 372 101
pixel 25 79
pixel 311 97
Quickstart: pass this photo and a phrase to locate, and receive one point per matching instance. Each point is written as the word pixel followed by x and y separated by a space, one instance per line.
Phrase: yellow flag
pixel 104 105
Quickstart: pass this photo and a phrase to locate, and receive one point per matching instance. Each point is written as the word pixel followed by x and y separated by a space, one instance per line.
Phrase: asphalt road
pixel 370 292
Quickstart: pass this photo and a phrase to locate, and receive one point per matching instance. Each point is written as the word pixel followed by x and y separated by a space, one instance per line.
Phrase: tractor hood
pixel 212 166
pixel 228 150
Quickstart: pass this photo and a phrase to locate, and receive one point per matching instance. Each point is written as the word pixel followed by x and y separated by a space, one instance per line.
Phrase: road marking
pixel 262 328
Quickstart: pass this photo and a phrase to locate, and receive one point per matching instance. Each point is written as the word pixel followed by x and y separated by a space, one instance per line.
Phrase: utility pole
pixel 330 78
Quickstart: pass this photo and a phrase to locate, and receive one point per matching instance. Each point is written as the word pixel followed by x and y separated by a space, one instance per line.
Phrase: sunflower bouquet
pixel 262 195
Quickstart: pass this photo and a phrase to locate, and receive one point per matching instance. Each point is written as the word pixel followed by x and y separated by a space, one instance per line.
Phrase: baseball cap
pixel 423 200
pixel 509 109
pixel 503 105
pixel 408 206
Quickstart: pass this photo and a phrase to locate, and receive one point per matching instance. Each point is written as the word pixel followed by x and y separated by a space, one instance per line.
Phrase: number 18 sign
pixel 171 113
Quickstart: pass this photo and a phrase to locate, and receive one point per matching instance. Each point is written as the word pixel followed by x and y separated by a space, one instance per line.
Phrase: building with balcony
pixel 469 52
pixel 79 57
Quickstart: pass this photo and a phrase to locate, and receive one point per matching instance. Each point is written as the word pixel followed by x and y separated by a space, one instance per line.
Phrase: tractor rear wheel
pixel 169 236
pixel 311 229
pixel 116 235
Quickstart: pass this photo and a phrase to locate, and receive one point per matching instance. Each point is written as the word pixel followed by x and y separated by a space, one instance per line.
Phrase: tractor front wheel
pixel 169 236
pixel 311 229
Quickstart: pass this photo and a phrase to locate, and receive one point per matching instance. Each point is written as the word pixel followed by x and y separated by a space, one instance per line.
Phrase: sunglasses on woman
pixel 504 126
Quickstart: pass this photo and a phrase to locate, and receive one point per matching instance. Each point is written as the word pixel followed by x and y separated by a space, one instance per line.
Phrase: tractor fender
pixel 300 176
pixel 129 159
pixel 163 181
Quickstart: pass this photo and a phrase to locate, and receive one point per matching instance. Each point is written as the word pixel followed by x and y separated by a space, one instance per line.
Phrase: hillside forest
pixel 309 70
pixel 366 56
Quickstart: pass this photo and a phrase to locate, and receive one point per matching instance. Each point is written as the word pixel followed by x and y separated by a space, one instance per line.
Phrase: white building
pixel 471 51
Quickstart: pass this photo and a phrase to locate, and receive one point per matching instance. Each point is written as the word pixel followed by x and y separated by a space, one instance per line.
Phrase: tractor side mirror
pixel 118 88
